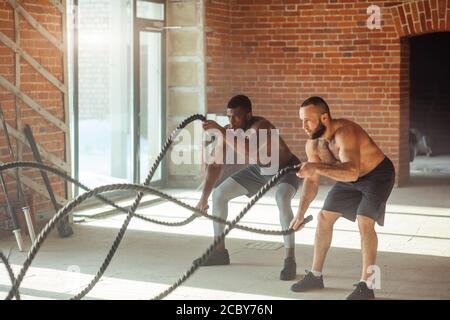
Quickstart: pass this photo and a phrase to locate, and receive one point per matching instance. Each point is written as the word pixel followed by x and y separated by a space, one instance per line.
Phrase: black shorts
pixel 252 178
pixel 366 197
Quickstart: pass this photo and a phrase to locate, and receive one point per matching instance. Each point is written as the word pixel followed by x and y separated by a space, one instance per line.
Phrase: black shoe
pixel 309 282
pixel 218 258
pixel 361 292
pixel 289 271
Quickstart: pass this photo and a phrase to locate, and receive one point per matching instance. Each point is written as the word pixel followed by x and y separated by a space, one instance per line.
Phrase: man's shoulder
pixel 261 123
pixel 346 127
pixel 347 132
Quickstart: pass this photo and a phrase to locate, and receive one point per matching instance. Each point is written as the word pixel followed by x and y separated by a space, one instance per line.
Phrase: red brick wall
pixel 218 42
pixel 282 52
pixel 35 86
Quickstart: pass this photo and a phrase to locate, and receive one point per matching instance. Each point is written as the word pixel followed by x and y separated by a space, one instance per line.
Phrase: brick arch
pixel 411 19
pixel 421 17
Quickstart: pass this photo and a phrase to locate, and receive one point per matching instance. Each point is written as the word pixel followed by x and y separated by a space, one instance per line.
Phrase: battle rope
pixel 14 291
pixel 10 272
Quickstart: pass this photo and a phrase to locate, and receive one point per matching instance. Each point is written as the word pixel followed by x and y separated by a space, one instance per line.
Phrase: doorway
pixel 430 105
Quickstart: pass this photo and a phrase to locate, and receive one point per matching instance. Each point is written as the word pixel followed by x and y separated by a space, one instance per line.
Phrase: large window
pixel 118 129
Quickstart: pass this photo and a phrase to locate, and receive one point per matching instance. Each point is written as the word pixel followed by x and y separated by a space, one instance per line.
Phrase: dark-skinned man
pixel 249 181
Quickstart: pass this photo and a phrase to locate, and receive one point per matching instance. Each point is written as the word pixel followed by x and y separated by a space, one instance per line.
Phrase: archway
pixel 418 24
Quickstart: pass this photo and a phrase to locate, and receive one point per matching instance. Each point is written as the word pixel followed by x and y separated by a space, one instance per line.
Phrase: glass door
pixel 150 97
pixel 148 87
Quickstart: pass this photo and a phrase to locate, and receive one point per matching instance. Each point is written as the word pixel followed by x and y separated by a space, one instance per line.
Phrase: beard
pixel 319 131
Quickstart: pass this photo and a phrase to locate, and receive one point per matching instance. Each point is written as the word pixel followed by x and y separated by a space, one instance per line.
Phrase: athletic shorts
pixel 253 178
pixel 366 197
pixel 228 171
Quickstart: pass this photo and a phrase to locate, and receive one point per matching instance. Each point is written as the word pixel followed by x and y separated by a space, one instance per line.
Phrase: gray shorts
pixel 229 170
pixel 252 178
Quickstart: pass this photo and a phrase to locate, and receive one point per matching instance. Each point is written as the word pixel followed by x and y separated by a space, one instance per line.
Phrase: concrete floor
pixel 414 253
pixel 434 165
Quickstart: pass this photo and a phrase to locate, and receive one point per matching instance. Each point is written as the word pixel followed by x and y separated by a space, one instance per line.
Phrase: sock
pixel 316 273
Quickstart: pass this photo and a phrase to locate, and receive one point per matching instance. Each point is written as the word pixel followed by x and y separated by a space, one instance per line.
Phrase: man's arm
pixel 348 169
pixel 214 172
pixel 310 187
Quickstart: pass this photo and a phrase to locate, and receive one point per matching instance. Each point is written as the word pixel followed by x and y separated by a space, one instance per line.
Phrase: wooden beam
pixel 37 187
pixel 36 65
pixel 47 155
pixel 67 144
pixel 19 146
pixel 44 32
pixel 32 104
pixel 58 5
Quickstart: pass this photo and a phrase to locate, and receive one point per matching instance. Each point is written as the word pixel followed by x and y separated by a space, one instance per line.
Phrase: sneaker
pixel 289 271
pixel 361 292
pixel 218 258
pixel 309 282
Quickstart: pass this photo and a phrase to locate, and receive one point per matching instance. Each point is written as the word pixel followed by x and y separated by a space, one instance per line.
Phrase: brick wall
pixel 218 48
pixel 35 86
pixel 281 52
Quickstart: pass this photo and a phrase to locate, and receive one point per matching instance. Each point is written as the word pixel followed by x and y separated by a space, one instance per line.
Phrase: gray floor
pixel 414 253
pixel 434 165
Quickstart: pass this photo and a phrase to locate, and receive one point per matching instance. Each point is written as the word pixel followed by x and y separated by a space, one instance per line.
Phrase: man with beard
pixel 249 180
pixel 341 150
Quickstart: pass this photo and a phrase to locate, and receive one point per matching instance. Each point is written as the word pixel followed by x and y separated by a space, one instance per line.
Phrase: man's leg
pixel 375 188
pixel 369 244
pixel 324 235
pixel 227 190
pixel 283 196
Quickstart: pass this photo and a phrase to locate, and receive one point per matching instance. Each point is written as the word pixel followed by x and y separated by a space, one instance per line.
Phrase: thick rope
pixel 160 194
pixel 14 291
pixel 10 272
pixel 228 228
pixel 64 211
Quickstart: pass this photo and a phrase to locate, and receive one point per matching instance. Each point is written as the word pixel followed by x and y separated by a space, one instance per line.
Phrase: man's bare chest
pixel 328 151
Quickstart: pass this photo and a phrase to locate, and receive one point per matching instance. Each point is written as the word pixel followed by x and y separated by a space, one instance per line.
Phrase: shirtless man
pixel 341 150
pixel 249 180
